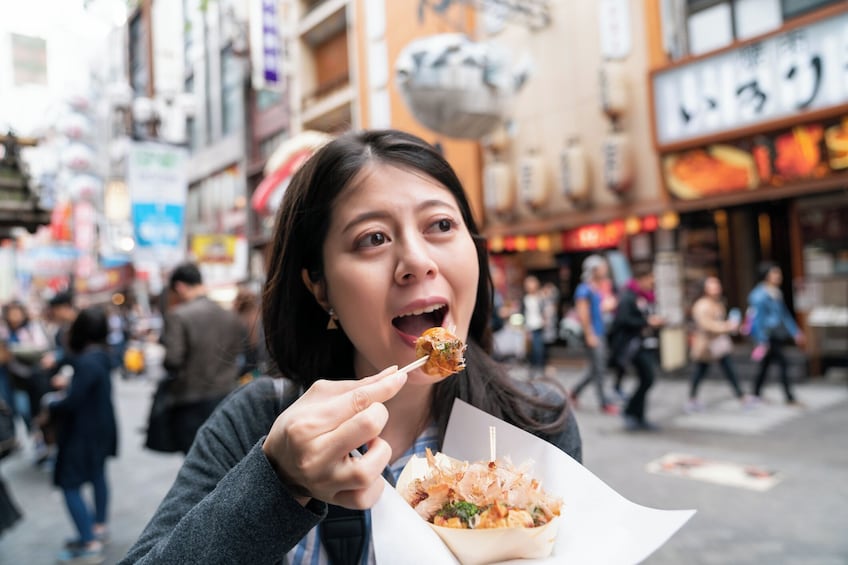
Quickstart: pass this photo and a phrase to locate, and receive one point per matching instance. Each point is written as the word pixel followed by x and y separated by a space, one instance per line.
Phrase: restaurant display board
pixel 809 151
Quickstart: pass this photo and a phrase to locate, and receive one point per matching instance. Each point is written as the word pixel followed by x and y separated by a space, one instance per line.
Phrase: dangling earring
pixel 331 323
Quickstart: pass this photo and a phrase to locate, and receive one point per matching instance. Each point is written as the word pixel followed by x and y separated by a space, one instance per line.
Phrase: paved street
pixel 800 520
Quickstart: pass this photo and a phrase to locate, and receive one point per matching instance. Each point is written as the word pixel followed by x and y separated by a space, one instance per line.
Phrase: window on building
pixel 139 65
pixel 206 100
pixel 267 98
pixel 792 8
pixel 188 36
pixel 193 132
pixel 232 115
pixel 713 24
pixel 139 73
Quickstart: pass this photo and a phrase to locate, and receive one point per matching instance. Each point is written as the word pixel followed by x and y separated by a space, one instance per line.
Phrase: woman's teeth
pixel 425 310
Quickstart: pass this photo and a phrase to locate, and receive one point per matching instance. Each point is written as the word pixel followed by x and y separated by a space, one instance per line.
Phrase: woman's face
pixel 712 287
pixel 398 259
pixel 775 276
pixel 646 282
pixel 601 272
pixel 14 317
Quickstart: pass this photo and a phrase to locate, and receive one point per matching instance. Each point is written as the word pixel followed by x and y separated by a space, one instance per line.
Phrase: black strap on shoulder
pixel 342 534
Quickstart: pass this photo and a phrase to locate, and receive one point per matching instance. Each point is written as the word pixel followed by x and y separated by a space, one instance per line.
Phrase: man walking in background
pixel 202 344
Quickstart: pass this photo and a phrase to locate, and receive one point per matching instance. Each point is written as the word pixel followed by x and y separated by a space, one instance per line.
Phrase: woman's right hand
pixel 309 444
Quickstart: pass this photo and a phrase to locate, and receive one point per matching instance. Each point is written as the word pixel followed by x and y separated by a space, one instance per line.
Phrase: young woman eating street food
pixel 374 244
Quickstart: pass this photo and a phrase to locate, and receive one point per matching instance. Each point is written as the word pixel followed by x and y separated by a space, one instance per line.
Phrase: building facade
pixel 575 173
pixel 750 104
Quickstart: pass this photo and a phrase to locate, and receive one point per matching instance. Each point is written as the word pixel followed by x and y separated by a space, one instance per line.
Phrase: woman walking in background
pixel 772 326
pixel 711 341
pixel 534 324
pixel 588 303
pixel 86 435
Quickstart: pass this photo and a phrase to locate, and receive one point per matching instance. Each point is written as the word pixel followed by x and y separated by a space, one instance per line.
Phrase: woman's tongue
pixel 415 325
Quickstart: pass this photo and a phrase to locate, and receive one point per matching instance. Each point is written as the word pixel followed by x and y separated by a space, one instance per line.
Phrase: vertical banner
pixel 158 187
pixel 266 58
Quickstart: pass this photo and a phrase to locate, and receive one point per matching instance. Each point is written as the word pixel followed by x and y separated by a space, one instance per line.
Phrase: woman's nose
pixel 415 261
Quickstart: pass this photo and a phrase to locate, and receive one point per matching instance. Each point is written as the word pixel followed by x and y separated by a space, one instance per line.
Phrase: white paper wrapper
pixel 597 525
pixel 477 547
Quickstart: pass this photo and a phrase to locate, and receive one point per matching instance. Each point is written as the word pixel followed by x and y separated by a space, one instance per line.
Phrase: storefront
pixel 557 257
pixel 753 145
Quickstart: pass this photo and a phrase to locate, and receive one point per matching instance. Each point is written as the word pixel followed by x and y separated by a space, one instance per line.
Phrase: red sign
pixel 588 238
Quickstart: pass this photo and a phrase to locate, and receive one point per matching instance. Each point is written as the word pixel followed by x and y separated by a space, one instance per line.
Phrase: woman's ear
pixel 317 287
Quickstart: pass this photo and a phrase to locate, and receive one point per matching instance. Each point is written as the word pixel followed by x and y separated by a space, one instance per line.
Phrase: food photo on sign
pixel 580 515
pixel 809 151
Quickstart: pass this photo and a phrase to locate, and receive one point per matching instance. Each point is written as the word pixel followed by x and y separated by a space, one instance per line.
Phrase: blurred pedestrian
pixel 772 327
pixel 374 243
pixel 61 311
pixel 634 340
pixel 118 336
pixel 587 303
pixel 711 341
pixel 550 313
pixel 56 362
pixel 86 435
pixel 253 359
pixel 202 345
pixel 9 512
pixel 534 324
pixel 28 343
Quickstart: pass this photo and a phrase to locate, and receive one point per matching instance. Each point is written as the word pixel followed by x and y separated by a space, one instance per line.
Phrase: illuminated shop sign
pixel 801 70
pixel 809 151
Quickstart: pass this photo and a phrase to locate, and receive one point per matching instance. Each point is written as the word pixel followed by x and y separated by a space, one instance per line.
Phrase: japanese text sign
pixel 800 70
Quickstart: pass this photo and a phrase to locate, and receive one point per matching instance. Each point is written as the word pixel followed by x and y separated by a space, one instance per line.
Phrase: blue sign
pixel 158 225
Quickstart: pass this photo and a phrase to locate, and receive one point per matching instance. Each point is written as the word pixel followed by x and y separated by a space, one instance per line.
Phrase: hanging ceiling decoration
pixel 458 87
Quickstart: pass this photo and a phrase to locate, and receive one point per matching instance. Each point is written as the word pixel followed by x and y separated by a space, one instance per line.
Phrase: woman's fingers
pixel 360 478
pixel 342 407
pixel 347 473
pixel 310 441
pixel 355 432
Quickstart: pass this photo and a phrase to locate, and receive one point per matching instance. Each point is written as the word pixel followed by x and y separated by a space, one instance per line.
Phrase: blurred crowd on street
pixel 617 331
pixel 57 364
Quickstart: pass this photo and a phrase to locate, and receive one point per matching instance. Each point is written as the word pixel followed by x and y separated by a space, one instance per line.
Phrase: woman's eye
pixel 373 240
pixel 443 225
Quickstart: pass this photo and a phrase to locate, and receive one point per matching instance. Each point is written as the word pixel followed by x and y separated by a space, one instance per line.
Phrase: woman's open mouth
pixel 413 324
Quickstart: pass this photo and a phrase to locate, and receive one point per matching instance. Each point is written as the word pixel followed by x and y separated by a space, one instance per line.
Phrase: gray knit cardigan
pixel 227 504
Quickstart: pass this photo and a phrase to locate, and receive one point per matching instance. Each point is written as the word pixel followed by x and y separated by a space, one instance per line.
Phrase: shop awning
pixel 282 164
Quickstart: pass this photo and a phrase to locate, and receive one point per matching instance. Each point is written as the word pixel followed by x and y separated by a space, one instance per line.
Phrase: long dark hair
pixel 295 324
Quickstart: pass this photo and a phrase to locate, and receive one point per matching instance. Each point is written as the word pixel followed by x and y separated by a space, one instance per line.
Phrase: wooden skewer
pixel 415 364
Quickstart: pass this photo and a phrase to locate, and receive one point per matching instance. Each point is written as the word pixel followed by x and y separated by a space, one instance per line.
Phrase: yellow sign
pixel 214 248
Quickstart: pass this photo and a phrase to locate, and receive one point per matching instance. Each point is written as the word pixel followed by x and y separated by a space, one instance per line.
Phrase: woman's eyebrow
pixel 364 217
pixel 385 214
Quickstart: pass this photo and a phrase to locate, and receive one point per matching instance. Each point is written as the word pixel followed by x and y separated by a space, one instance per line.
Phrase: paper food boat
pixel 484 545
pixel 598 526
